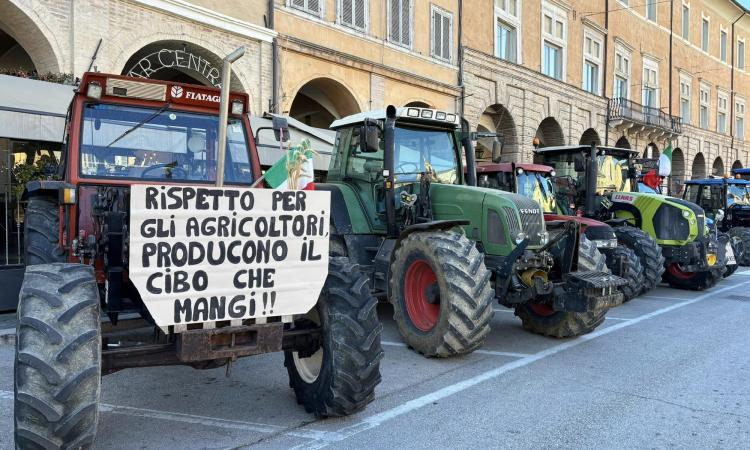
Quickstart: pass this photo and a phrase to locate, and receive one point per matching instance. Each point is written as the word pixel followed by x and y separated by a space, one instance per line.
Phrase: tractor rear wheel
pixel 340 377
pixel 41 228
pixel 693 281
pixel 648 252
pixel 741 245
pixel 632 271
pixel 441 293
pixel 57 363
pixel 540 318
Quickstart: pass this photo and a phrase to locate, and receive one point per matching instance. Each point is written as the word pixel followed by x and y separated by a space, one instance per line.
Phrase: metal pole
pixel 226 73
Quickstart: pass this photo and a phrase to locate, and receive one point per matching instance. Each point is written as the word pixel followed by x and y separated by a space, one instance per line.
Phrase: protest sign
pixel 200 253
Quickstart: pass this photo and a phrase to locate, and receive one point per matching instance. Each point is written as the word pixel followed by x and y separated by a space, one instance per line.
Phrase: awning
pixel 32 109
pixel 321 141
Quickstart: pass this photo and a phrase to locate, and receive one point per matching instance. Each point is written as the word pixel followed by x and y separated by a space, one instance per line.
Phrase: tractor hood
pixel 670 220
pixel 497 218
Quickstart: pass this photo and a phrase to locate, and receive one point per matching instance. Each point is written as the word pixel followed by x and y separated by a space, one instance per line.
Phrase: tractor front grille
pixel 531 219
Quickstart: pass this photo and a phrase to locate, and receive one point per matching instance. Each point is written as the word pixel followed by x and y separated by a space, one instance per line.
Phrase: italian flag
pixel 665 161
pixel 294 171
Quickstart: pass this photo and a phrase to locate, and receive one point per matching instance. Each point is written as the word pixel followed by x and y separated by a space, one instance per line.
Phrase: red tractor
pixel 535 181
pixel 148 249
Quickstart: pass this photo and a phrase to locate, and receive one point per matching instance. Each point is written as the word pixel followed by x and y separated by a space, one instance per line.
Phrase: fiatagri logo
pixel 623 198
pixel 178 92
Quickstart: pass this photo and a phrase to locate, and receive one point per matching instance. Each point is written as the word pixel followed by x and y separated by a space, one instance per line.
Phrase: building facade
pixel 636 74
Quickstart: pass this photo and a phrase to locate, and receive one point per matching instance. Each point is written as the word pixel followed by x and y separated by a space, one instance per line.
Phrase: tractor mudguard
pixel 46 187
pixel 339 212
pixel 432 225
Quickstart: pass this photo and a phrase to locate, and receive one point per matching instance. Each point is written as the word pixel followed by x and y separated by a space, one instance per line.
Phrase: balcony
pixel 626 115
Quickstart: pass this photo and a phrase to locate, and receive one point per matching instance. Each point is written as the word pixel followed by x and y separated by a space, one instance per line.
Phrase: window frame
pixel 556 14
pixel 595 37
pixel 723 40
pixel 739 132
pixel 705 37
pixel 655 4
pixel 687 81
pixel 685 31
pixel 626 55
pixel 321 8
pixel 652 64
pixel 722 95
pixel 704 88
pixel 511 21
pixel 389 17
pixel 434 9
pixel 352 26
pixel 741 54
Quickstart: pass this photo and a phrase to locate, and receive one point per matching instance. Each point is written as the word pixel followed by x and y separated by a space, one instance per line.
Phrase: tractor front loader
pixel 150 249
pixel 440 249
pixel 668 234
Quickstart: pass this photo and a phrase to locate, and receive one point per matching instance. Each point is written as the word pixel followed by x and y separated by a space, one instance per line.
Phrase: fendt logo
pixel 529 210
pixel 176 92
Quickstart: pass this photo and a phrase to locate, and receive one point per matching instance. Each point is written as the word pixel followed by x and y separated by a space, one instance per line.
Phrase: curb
pixel 8 336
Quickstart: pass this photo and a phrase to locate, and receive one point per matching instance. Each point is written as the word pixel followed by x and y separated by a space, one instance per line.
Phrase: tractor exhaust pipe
pixel 591 178
pixel 226 73
pixel 471 165
pixel 389 155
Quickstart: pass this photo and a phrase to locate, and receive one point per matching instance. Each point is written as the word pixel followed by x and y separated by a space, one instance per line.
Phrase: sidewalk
pixel 8 329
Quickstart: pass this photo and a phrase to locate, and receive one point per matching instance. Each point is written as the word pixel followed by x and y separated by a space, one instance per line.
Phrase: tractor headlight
pixel 520 237
pixel 605 243
pixel 719 215
pixel 94 90
pixel 544 237
pixel 685 213
pixel 237 107
pixel 519 171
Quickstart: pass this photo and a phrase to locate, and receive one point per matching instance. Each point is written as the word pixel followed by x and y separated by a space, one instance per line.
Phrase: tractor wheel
pixel 633 272
pixel 441 293
pixel 41 230
pixel 541 319
pixel 57 365
pixel 741 245
pixel 693 281
pixel 647 251
pixel 340 377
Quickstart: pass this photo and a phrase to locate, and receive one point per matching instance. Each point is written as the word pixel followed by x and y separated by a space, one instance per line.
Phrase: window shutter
pixel 360 14
pixel 313 6
pixel 346 12
pixel 395 25
pixel 299 4
pixel 437 30
pixel 405 23
pixel 447 34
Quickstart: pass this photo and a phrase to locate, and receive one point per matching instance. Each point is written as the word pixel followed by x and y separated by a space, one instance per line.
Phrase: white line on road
pixel 661 297
pixel 616 318
pixel 480 351
pixel 376 420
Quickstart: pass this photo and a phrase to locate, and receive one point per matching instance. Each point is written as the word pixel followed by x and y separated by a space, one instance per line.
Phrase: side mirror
pixel 579 163
pixel 280 128
pixel 369 137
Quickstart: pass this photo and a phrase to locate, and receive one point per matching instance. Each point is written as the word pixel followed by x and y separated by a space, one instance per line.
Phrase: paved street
pixel 667 370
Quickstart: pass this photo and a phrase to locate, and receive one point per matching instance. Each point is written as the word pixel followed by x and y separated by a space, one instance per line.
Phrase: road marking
pixel 660 297
pixel 480 351
pixel 616 318
pixel 378 419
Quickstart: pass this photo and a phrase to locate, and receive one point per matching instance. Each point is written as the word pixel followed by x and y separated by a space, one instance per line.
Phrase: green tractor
pixel 441 249
pixel 602 183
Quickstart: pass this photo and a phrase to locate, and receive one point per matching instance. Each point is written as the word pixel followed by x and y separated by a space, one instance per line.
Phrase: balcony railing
pixel 623 109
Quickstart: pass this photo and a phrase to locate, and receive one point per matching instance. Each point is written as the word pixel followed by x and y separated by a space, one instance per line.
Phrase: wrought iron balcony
pixel 623 114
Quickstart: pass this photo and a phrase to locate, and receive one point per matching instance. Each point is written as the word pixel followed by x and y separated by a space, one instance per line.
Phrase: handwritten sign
pixel 200 254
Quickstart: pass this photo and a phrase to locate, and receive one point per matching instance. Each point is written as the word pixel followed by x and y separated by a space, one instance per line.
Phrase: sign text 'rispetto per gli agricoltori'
pixel 203 254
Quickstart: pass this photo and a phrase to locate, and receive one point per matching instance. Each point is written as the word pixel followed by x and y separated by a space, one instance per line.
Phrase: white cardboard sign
pixel 204 254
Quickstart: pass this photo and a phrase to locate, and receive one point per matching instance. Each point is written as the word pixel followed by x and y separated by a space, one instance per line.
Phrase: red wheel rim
pixel 675 270
pixel 419 277
pixel 541 309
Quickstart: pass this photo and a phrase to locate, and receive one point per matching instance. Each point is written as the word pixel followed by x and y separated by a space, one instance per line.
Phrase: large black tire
pixel 57 365
pixel 632 273
pixel 445 268
pixel 741 244
pixel 41 228
pixel 542 319
pixel 340 378
pixel 692 281
pixel 648 252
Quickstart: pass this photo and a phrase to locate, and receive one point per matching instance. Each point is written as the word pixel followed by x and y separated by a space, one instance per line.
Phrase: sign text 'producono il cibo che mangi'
pixel 201 254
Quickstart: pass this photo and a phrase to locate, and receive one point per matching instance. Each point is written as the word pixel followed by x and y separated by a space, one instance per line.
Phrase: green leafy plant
pixel 43 169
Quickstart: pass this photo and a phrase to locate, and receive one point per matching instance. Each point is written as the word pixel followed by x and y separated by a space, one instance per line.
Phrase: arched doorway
pixel 178 61
pixel 678 171
pixel 24 45
pixel 550 133
pixel 590 136
pixel 417 104
pixel 622 143
pixel 718 167
pixel 497 119
pixel 699 167
pixel 321 101
pixel 737 164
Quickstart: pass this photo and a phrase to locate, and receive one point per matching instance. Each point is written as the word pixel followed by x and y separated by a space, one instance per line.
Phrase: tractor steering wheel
pixel 175 170
pixel 403 164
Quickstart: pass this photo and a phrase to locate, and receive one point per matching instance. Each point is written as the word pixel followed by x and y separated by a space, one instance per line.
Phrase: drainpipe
pixel 733 94
pixel 275 63
pixel 604 73
pixel 461 58
pixel 671 68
